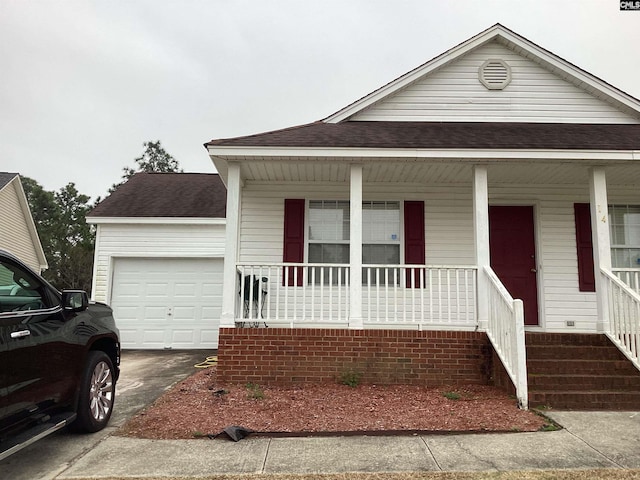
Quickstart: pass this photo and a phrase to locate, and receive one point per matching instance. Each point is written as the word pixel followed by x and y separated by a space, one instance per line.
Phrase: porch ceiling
pixel 419 172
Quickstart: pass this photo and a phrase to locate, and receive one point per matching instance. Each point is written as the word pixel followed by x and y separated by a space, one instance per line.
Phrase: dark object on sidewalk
pixel 234 432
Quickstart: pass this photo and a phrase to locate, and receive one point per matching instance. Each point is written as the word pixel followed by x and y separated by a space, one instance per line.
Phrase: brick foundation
pixel 296 355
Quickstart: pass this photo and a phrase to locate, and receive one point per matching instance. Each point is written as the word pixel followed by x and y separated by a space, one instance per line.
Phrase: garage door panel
pixel 173 303
pixel 187 290
pixel 188 313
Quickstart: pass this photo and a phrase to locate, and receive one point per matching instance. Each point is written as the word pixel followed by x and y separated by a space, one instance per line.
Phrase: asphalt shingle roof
pixel 436 135
pixel 199 195
pixel 5 178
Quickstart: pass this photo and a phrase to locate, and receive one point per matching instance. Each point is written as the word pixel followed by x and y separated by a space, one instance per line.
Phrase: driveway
pixel 145 376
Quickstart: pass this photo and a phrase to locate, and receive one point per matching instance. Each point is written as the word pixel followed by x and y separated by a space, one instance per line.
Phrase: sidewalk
pixel 589 440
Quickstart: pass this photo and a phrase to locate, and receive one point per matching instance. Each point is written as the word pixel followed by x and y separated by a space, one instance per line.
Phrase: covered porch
pixel 438 293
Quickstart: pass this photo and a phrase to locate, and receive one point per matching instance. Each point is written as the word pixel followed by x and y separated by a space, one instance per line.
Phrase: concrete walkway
pixel 589 440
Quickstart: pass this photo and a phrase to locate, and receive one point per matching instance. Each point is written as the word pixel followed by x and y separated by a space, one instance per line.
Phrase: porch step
pixel 585 400
pixel 573 352
pixel 574 382
pixel 580 367
pixel 580 371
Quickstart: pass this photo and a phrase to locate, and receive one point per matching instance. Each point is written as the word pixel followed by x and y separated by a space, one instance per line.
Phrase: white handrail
pixel 506 333
pixel 624 316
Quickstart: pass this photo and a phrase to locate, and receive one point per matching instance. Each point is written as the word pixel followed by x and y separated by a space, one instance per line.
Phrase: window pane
pixel 381 254
pixel 380 221
pixel 328 220
pixel 328 253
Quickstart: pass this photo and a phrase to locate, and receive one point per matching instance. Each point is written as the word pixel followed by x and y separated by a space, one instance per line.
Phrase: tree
pixel 154 159
pixel 67 239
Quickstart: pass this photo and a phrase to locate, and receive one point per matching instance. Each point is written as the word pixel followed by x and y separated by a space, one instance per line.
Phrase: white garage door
pixel 167 302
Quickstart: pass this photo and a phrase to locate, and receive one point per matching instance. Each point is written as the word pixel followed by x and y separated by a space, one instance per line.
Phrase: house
pixel 18 233
pixel 158 259
pixel 475 217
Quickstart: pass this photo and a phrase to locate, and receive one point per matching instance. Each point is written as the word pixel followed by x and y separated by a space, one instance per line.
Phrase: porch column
pixel 355 249
pixel 601 241
pixel 481 237
pixel 230 284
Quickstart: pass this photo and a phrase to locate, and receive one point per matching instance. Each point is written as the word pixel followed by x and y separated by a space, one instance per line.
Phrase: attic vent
pixel 494 74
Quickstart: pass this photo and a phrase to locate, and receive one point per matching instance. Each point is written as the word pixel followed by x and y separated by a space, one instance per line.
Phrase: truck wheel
pixel 97 393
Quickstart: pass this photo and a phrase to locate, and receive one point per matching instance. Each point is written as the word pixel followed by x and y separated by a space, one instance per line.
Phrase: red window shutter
pixel 293 239
pixel 584 244
pixel 414 242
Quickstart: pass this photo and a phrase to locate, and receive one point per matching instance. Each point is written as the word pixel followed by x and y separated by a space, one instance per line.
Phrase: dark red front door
pixel 513 254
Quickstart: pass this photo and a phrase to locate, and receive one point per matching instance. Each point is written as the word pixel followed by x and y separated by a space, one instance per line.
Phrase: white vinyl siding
pixel 455 93
pixel 15 236
pixel 449 233
pixel 164 241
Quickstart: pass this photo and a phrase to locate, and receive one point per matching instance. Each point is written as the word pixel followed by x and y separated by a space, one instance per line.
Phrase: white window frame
pixel 616 247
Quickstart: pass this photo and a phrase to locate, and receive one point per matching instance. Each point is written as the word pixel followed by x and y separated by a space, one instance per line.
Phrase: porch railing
pixel 624 316
pixel 295 294
pixel 304 294
pixel 424 296
pixel 629 276
pixel 506 332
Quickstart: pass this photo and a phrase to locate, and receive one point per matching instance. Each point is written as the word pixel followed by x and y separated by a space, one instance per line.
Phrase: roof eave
pixel 97 220
pixel 353 154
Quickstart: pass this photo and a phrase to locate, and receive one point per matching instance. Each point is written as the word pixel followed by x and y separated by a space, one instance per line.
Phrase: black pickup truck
pixel 59 358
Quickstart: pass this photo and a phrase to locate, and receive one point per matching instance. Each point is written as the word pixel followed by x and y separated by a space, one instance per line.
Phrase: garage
pixel 163 303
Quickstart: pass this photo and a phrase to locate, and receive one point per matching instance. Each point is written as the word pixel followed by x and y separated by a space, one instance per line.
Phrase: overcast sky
pixel 84 83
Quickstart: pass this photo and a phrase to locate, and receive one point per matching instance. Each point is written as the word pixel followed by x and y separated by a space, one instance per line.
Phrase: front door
pixel 513 254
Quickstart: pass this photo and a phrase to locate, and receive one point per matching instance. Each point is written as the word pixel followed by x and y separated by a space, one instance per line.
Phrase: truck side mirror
pixel 75 300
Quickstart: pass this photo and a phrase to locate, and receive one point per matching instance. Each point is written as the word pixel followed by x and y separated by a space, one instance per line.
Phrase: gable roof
pixel 515 42
pixel 183 195
pixel 6 179
pixel 341 131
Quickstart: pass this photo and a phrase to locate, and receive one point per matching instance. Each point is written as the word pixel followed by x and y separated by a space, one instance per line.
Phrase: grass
pixel 255 392
pixel 350 378
pixel 452 395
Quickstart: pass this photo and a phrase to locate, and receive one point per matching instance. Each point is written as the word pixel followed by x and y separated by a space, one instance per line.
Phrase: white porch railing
pixel 294 294
pixel 629 276
pixel 506 332
pixel 316 295
pixel 624 316
pixel 424 296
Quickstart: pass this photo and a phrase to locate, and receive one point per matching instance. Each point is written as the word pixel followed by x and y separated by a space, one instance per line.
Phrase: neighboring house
pixel 159 256
pixel 495 167
pixel 18 233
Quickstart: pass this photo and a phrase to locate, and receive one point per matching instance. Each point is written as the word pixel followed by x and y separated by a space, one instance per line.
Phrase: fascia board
pixel 357 154
pixel 575 72
pixel 155 221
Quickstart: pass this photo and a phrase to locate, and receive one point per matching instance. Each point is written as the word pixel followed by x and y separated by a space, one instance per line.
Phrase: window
pixel 329 223
pixel 19 291
pixel 381 233
pixel 328 239
pixel 380 241
pixel 624 224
